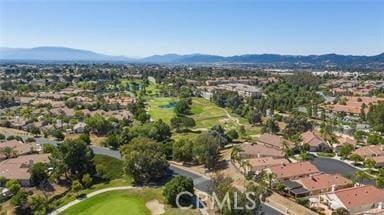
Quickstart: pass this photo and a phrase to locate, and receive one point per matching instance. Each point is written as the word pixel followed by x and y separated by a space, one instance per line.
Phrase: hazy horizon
pixel 226 28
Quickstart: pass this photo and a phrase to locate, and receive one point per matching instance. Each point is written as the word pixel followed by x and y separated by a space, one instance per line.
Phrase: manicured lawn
pixel 157 112
pixel 205 113
pixel 114 171
pixel 124 202
pixel 114 202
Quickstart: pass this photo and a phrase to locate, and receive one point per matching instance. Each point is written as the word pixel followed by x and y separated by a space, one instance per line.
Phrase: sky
pixel 226 27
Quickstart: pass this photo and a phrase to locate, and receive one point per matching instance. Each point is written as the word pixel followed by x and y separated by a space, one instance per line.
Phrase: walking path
pixel 89 195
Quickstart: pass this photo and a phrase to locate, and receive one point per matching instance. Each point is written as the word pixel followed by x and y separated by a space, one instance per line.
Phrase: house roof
pixel 379 159
pixel 311 139
pixel 360 196
pixel 265 162
pixel 274 140
pixel 18 168
pixel 292 170
pixel 369 151
pixel 258 150
pixel 19 147
pixel 323 181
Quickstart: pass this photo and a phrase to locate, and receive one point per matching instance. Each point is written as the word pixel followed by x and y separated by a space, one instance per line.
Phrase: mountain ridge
pixel 57 53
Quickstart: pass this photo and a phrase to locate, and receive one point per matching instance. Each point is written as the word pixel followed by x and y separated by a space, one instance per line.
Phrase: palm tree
pixel 269 177
pixel 326 132
pixel 245 165
pixel 286 150
pixel 235 154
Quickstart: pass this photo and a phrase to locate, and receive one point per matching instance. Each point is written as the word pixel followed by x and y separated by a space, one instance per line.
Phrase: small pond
pixel 169 105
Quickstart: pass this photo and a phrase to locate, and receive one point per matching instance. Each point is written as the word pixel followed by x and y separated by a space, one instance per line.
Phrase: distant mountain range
pixel 69 54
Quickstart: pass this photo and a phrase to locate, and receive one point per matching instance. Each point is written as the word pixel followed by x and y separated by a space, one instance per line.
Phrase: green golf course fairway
pixel 112 202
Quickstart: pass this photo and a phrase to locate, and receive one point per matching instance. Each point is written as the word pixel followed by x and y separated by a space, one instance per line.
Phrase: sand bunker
pixel 155 207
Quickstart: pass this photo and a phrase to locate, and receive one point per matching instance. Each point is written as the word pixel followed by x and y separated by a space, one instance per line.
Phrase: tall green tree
pixel 144 161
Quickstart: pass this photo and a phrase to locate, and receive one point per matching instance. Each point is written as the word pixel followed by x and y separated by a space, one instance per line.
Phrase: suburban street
pixel 201 183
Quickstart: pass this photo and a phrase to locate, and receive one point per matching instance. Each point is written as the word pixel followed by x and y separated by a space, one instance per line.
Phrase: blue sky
pixel 142 28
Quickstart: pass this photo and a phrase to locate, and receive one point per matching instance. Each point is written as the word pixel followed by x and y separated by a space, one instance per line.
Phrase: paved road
pixel 201 183
pixel 332 166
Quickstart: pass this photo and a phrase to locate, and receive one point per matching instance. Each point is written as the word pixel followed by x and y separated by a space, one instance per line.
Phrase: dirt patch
pixel 155 207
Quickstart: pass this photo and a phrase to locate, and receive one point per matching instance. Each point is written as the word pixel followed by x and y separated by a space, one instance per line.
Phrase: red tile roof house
pixel 259 150
pixel 370 151
pixel 356 200
pixel 19 168
pixel 19 148
pixel 259 164
pixel 323 182
pixel 293 171
pixel 274 141
pixel 379 161
pixel 315 143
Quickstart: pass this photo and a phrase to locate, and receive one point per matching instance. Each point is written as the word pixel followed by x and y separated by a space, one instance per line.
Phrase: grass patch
pixel 114 167
pixel 205 113
pixel 123 202
pixel 156 112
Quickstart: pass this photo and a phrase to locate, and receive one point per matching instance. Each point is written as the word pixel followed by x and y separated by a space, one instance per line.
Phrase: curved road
pixel 201 183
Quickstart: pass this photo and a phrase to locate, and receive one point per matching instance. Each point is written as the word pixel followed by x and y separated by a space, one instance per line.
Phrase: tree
pixel 112 141
pixel 86 138
pixel 235 154
pixel 98 124
pixel 287 150
pixel 355 158
pixel 376 117
pixel 101 171
pixel 144 160
pixel 182 150
pixel 326 131
pixel 360 176
pixel 235 201
pixel 73 157
pixel 369 163
pixel 182 107
pixel 255 117
pixel 345 150
pixel 58 134
pixel 177 185
pixel 39 205
pixel 206 150
pixel 182 123
pixel 87 180
pixel 271 126
pixel 375 139
pixel 13 186
pixel 232 135
pixel 76 186
pixel 39 173
pixel 359 135
pixel 380 182
pixel 8 152
pixel 19 199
